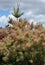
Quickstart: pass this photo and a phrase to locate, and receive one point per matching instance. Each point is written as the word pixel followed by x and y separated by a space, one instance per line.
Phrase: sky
pixel 34 10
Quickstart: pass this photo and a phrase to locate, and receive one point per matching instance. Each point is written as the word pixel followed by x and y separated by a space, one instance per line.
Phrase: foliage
pixel 17 13
pixel 23 44
pixel 10 21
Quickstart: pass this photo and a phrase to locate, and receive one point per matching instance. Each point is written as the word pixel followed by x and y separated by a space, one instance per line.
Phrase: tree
pixel 16 12
pixel 10 20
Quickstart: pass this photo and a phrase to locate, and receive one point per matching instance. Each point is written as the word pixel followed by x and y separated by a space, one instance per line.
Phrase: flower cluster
pixel 22 41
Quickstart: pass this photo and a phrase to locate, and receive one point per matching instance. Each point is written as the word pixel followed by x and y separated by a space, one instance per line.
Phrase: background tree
pixel 16 12
pixel 10 20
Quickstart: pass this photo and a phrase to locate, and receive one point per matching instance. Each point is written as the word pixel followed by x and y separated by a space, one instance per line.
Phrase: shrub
pixel 23 44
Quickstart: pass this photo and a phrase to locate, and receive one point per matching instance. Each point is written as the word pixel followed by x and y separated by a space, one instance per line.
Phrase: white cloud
pixel 40 16
pixel 35 19
pixel 32 20
pixel 6 4
pixel 4 20
pixel 42 1
pixel 11 16
pixel 27 14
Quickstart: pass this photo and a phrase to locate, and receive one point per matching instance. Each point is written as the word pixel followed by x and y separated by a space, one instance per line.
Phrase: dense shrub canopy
pixel 23 42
